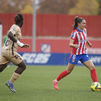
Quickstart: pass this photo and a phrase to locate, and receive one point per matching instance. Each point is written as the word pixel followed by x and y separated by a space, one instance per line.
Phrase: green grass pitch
pixel 35 84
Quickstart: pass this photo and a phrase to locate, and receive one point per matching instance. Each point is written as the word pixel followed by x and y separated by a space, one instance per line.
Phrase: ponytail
pixel 76 21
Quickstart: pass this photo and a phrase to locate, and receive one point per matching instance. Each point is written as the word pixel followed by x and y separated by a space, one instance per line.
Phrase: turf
pixel 35 84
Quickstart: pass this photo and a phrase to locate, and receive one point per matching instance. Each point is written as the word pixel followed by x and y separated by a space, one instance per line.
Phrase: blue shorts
pixel 75 58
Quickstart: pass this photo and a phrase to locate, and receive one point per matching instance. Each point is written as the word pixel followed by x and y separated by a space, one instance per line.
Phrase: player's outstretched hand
pixel 25 46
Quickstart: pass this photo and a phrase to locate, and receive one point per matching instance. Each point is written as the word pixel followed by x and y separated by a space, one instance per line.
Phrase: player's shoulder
pixel 74 31
pixel 15 27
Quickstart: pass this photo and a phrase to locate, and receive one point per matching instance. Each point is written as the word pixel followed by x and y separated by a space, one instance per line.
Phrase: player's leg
pixel 3 63
pixel 17 60
pixel 72 61
pixel 65 72
pixel 18 72
pixel 89 64
pixel 62 75
pixel 2 67
pixel 15 76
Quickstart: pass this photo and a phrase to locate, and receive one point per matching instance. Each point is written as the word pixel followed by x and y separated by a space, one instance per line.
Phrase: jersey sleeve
pixel 73 35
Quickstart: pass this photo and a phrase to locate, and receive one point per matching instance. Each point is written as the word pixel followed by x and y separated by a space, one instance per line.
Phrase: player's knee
pixel 2 67
pixel 92 68
pixel 22 65
pixel 69 72
pixel 21 68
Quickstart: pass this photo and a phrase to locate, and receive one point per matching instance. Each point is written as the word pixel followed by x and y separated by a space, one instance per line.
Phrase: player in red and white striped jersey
pixel 78 43
pixel 80 38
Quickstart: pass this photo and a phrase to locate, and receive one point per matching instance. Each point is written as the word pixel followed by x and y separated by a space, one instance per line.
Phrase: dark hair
pixel 0 23
pixel 18 18
pixel 76 21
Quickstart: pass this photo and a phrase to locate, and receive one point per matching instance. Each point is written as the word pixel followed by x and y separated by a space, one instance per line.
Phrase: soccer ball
pixel 96 86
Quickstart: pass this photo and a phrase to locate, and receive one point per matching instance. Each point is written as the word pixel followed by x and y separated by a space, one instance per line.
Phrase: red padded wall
pixel 59 45
pixel 52 24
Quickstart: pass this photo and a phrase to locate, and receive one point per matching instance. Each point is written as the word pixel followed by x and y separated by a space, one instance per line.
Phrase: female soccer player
pixel 9 51
pixel 78 43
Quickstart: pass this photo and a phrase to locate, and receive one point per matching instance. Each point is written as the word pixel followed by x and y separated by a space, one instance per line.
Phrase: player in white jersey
pixel 9 51
pixel 78 42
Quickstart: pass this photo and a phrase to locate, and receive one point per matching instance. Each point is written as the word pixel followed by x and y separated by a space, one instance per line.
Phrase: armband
pixel 19 43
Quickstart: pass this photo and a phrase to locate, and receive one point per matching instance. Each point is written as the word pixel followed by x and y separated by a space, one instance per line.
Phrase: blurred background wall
pixel 52 24
pixel 54 21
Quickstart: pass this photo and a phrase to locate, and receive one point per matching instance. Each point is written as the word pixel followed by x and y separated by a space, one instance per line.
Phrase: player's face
pixel 82 25
pixel 21 23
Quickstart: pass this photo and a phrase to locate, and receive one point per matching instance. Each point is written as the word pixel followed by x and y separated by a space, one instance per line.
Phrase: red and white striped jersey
pixel 80 38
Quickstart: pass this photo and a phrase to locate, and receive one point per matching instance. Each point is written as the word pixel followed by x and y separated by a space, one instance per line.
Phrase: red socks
pixel 65 73
pixel 93 75
pixel 62 75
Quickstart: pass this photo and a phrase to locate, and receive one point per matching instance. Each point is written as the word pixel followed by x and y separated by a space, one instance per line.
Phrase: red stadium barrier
pixel 52 24
pixel 58 45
